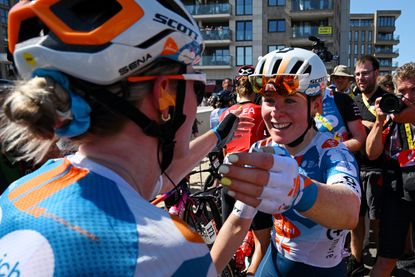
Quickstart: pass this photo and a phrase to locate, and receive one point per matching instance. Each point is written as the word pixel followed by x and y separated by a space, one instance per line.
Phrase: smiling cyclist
pixel 307 180
pixel 115 78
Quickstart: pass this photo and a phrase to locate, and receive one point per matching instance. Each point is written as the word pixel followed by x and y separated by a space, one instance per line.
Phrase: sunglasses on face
pixel 199 82
pixel 281 84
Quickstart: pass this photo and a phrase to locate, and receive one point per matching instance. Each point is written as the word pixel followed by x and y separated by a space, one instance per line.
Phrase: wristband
pixel 243 210
pixel 307 196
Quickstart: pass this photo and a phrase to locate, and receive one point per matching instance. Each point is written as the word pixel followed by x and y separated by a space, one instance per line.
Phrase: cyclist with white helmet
pixel 307 180
pixel 114 77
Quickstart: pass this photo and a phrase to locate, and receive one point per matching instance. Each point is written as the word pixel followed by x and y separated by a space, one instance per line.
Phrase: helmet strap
pixel 164 132
pixel 310 124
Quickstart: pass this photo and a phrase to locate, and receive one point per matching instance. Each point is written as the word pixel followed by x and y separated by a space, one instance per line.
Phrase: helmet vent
pixel 86 15
pixel 31 28
pixel 174 7
pixel 296 67
pixel 308 70
pixel 276 66
pixel 155 39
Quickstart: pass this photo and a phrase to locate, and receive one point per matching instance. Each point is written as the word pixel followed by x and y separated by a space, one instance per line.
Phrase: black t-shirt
pixel 364 163
pixel 347 108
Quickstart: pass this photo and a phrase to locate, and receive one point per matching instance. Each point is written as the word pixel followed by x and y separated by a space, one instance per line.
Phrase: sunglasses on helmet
pixel 280 84
pixel 199 82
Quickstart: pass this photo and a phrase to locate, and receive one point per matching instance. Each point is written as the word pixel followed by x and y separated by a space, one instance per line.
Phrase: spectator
pixel 366 73
pixel 220 102
pixel 392 135
pixel 340 115
pixel 342 79
pixel 386 83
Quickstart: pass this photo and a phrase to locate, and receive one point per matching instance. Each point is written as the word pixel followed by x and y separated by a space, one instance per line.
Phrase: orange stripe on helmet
pixel 129 14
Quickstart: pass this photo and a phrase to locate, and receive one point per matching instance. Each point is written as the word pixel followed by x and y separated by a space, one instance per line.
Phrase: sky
pixel 404 25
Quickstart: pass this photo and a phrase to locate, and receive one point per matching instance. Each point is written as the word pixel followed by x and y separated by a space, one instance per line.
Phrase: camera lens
pixel 390 103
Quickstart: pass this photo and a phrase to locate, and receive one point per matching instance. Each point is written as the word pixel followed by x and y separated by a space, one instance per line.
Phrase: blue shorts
pixel 274 264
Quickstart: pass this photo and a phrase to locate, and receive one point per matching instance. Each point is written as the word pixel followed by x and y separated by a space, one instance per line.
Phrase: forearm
pixel 374 143
pixel 331 199
pixel 198 149
pixel 353 144
pixel 228 240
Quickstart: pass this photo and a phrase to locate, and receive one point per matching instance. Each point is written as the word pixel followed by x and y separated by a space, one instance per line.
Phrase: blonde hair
pixel 35 108
pixel 243 87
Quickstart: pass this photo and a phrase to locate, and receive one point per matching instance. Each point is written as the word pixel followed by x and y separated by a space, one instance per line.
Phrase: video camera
pixel 391 103
pixel 320 49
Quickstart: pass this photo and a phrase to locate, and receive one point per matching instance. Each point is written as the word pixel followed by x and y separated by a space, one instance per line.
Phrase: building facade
pixel 374 34
pixel 238 32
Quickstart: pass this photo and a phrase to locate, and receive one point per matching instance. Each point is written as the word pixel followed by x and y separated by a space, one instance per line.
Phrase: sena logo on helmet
pixel 125 69
pixel 175 25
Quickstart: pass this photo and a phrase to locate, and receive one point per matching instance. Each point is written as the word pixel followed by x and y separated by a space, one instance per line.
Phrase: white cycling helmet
pixel 295 61
pixel 100 41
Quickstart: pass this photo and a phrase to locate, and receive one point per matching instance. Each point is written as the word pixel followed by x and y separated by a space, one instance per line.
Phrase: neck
pixel 311 133
pixel 120 154
pixel 369 94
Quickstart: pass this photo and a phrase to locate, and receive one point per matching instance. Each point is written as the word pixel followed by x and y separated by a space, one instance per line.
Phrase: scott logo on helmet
pixel 125 69
pixel 175 25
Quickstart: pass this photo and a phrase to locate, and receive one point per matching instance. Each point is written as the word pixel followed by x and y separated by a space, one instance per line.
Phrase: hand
pixel 270 183
pixel 380 115
pixel 225 130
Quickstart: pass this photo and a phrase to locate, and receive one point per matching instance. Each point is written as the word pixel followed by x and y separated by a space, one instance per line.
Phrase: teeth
pixel 280 125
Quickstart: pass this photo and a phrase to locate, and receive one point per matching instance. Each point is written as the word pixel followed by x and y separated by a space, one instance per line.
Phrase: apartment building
pixel 374 34
pixel 237 32
pixel 6 68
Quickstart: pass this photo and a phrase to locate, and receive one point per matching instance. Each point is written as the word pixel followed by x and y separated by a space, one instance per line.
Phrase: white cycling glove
pixel 286 188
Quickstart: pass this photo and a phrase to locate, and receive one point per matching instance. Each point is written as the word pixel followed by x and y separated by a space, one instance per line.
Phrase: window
pixel 362 49
pixel 276 26
pixel 356 36
pixel 243 30
pixel 356 49
pixel 243 7
pixel 363 36
pixel 369 49
pixel 386 21
pixel 272 3
pixel 369 36
pixel 244 55
pixel 275 47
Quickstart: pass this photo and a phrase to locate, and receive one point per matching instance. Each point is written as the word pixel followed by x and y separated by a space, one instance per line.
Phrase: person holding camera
pixel 366 74
pixel 394 138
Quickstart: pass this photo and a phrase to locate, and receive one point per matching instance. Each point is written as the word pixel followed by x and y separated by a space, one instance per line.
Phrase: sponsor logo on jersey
pixel 284 227
pixel 330 143
pixel 24 252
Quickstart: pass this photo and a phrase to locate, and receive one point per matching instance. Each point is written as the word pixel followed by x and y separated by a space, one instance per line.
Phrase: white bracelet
pixel 243 210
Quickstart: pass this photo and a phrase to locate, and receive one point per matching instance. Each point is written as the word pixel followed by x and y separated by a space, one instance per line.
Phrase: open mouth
pixel 280 126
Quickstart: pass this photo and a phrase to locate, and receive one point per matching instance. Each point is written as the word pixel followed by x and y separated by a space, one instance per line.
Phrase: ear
pixel 317 105
pixel 164 97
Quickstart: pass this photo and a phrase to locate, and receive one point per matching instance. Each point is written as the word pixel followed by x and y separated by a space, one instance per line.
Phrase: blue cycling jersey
pixel 73 217
pixel 299 238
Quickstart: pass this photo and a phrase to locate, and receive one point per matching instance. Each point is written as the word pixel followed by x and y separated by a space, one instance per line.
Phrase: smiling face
pixel 286 117
pixel 366 77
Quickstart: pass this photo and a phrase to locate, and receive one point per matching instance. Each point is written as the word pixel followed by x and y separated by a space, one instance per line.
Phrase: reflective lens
pixel 283 85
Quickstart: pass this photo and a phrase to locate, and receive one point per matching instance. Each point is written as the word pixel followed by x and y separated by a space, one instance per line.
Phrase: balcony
pixel 386 40
pixel 210 11
pixel 300 34
pixel 386 53
pixel 214 62
pixel 311 9
pixel 216 37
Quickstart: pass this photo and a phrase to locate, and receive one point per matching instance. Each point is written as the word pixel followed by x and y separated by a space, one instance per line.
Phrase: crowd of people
pixel 307 154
